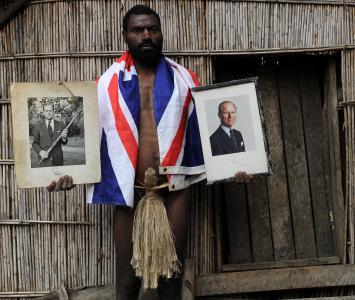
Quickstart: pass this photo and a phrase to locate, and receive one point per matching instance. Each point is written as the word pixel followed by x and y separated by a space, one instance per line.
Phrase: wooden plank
pixel 298 182
pixel 324 298
pixel 275 280
pixel 106 292
pixel 283 264
pixel 330 102
pixel 238 223
pixel 188 286
pixel 260 229
pixel 313 128
pixel 218 226
pixel 279 206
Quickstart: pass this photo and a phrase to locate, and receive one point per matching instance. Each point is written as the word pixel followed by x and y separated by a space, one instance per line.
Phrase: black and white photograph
pixel 230 121
pixel 55 132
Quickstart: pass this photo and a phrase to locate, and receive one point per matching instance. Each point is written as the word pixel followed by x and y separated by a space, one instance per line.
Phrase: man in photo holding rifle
pixel 45 134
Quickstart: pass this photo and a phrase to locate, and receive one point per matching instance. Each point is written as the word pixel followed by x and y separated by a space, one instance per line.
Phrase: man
pixel 225 139
pixel 44 134
pixel 145 74
pixel 138 95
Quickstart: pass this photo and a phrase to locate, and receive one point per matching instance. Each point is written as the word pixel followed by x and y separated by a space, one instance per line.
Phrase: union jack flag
pixel 178 135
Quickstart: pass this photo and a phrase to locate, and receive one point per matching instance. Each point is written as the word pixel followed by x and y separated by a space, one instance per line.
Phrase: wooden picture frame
pixel 41 113
pixel 232 129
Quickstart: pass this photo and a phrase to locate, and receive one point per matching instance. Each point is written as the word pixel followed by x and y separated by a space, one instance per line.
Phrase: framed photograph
pixel 232 130
pixel 55 132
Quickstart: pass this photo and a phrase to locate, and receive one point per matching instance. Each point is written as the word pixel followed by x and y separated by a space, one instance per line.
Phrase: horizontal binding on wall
pixel 313 2
pixel 32 222
pixel 179 53
pixel 5 101
pixel 7 162
pixel 29 294
pixel 347 103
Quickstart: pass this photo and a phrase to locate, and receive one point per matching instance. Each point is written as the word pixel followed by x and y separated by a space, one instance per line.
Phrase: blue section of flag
pixel 163 88
pixel 193 149
pixel 130 93
pixel 107 191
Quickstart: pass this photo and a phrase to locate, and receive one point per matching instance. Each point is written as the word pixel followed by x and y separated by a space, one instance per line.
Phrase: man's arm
pixel 215 147
pixel 36 140
pixel 64 134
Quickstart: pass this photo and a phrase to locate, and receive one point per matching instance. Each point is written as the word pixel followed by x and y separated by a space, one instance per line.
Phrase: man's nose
pixel 146 34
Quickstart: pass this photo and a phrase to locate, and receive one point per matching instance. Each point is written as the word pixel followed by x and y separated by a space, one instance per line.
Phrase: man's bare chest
pixel 148 150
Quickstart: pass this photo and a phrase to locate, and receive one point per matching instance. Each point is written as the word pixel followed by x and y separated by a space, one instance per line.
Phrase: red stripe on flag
pixel 175 148
pixel 127 58
pixel 122 126
pixel 194 78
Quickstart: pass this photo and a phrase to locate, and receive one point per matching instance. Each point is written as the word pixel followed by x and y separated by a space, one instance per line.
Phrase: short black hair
pixel 48 104
pixel 138 10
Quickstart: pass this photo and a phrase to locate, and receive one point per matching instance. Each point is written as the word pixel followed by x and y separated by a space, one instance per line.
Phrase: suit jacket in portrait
pixel 42 141
pixel 221 142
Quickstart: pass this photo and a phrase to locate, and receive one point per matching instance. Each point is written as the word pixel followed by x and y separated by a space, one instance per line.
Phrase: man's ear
pixel 124 33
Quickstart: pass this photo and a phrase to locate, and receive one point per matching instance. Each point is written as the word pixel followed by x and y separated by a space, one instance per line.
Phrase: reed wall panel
pixel 348 75
pixel 93 26
pixel 248 25
pixel 81 26
pixel 5 132
pixel 38 257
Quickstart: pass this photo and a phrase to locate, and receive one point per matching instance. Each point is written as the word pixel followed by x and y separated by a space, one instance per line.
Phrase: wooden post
pixel 188 286
pixel 331 119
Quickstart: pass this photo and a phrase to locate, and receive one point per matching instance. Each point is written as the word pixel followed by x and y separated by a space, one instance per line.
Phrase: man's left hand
pixel 243 177
pixel 64 183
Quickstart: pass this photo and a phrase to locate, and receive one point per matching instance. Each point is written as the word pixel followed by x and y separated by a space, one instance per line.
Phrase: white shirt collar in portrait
pixel 52 123
pixel 227 130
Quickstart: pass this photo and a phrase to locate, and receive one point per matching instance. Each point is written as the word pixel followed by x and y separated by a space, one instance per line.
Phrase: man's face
pixel 144 38
pixel 48 112
pixel 228 114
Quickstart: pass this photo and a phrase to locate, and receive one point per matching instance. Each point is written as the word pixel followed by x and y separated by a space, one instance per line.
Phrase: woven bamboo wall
pixel 77 40
pixel 260 25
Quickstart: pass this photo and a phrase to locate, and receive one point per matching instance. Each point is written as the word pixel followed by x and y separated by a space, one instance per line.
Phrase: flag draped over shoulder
pixel 178 135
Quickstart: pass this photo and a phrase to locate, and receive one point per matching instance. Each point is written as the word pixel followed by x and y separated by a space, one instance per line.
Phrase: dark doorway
pixel 288 216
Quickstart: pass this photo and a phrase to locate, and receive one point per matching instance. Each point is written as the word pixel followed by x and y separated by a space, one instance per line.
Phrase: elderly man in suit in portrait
pixel 225 139
pixel 44 134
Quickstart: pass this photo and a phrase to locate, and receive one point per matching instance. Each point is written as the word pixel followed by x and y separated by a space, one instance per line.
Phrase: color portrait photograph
pixel 231 127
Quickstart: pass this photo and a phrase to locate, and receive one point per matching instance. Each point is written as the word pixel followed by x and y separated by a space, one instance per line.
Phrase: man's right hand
pixel 43 154
pixel 64 183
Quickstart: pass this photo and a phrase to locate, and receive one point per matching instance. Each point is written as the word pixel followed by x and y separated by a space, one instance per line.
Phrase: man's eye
pixel 136 30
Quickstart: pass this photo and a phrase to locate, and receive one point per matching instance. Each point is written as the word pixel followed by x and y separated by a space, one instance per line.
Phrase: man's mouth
pixel 147 46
